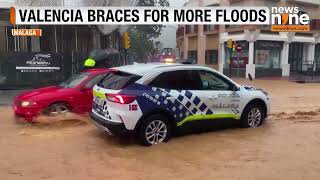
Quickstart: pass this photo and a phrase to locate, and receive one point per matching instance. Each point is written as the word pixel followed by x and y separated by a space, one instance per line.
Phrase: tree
pixel 142 36
pixel 140 47
pixel 152 31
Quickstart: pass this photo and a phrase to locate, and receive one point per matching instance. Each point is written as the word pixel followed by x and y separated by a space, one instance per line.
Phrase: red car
pixel 74 94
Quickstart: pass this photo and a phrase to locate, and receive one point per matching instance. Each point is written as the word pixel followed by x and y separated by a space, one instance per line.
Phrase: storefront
pixel 267 58
pixel 238 59
pixel 29 69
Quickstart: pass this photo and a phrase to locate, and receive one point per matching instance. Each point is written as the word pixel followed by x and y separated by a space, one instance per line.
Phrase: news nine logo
pixel 289 19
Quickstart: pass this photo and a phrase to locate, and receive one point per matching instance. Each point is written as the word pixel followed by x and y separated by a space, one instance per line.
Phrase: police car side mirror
pixel 235 88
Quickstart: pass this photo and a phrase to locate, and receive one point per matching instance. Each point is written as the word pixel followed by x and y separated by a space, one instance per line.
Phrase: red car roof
pixel 96 70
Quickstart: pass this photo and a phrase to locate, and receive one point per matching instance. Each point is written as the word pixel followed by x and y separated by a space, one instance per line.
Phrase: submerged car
pixel 155 100
pixel 74 94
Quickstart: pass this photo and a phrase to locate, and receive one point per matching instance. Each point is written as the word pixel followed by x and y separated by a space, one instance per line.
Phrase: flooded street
pixel 287 146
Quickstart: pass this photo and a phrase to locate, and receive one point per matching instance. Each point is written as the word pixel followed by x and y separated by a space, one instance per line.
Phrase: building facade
pixel 67 45
pixel 264 53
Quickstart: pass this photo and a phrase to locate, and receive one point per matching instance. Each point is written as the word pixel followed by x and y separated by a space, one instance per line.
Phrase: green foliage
pixel 140 45
pixel 152 31
pixel 141 36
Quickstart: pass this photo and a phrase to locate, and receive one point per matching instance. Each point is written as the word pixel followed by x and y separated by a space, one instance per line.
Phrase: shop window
pixel 192 55
pixel 239 59
pixel 267 54
pixel 211 56
pixel 267 58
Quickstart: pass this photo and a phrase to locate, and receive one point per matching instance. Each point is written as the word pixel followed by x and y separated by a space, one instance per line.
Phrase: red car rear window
pixel 118 80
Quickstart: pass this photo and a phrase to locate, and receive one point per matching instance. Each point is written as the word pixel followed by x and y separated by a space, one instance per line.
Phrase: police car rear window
pixel 118 80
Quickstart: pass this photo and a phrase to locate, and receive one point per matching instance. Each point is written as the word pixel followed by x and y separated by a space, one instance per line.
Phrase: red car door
pixel 85 101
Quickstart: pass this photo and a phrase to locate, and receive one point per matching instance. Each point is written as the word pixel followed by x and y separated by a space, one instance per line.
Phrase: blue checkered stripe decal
pixel 235 111
pixel 102 110
pixel 181 103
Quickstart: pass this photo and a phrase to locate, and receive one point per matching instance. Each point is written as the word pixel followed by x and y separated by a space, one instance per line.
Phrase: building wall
pixel 212 41
pixel 252 34
pixel 193 43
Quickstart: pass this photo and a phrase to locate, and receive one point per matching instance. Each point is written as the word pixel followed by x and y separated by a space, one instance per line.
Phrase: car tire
pixel 56 109
pixel 253 116
pixel 155 129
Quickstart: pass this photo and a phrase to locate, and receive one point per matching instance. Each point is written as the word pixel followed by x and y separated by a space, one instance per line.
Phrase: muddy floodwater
pixel 287 146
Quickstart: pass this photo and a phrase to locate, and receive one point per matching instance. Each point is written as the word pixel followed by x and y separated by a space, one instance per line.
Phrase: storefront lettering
pixel 268 45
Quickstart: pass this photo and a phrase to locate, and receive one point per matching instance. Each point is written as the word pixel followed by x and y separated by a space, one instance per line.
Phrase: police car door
pixel 219 95
pixel 179 91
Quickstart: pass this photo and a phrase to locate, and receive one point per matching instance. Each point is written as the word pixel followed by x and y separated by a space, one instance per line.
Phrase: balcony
pixel 191 30
pixel 210 29
pixel 180 32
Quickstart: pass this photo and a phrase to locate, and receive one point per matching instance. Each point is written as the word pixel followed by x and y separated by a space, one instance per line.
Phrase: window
pixel 192 55
pixel 94 81
pixel 211 57
pixel 211 27
pixel 74 81
pixel 267 54
pixel 118 80
pixel 182 79
pixel 188 28
pixel 191 28
pixel 211 81
pixel 267 58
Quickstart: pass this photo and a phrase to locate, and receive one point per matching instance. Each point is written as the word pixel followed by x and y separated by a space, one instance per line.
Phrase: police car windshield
pixel 118 80
pixel 74 81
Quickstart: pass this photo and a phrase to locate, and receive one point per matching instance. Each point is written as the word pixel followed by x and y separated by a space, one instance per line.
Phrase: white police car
pixel 154 100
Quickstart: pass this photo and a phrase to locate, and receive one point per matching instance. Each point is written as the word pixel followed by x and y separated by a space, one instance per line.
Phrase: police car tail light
pixel 120 98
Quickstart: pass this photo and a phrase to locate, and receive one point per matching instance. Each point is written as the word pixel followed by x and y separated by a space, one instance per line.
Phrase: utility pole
pixel 230 46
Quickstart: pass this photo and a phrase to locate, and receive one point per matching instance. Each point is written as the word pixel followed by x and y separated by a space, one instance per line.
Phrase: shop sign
pixel 37 62
pixel 269 45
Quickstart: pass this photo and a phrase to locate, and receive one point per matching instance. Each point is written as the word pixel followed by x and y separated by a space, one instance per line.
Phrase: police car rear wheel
pixel 154 130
